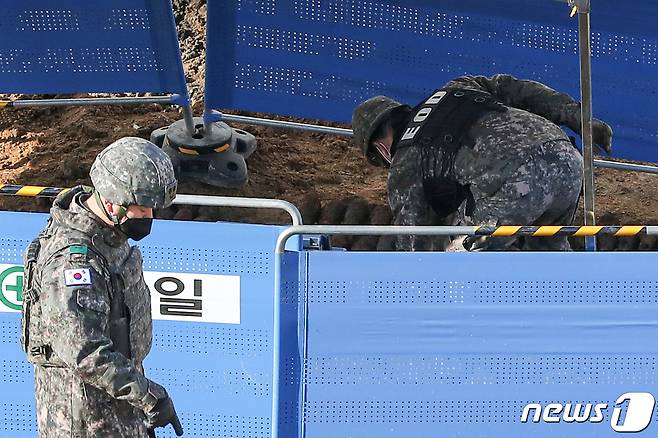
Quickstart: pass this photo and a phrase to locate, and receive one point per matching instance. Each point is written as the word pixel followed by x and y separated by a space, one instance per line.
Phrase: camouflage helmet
pixel 134 171
pixel 368 116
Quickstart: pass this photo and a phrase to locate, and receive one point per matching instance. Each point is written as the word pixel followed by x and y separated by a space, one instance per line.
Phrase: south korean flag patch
pixel 77 277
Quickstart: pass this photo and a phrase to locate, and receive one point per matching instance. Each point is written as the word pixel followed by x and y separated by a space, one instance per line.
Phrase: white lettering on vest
pixel 436 98
pixel 422 114
pixel 410 133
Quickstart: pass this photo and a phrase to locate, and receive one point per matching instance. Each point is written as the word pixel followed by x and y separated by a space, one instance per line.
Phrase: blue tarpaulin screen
pixel 319 58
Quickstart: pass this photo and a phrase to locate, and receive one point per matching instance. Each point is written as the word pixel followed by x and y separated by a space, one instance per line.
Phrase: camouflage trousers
pixel 69 408
pixel 544 190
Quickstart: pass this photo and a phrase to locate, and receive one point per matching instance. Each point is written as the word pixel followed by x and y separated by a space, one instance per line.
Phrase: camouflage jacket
pixel 500 142
pixel 82 267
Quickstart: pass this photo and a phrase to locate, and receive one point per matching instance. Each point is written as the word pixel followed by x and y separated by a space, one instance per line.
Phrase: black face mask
pixel 136 229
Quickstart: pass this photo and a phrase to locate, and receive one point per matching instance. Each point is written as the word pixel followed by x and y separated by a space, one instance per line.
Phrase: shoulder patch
pixel 77 277
pixel 78 249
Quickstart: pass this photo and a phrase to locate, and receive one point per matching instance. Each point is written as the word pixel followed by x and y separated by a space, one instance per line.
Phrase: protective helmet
pixel 134 171
pixel 367 117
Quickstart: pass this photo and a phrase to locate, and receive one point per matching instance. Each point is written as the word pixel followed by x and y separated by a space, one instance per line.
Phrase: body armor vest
pixel 129 317
pixel 439 126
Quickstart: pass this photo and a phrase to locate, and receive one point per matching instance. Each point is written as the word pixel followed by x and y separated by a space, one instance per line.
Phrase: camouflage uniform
pixel 87 384
pixel 521 168
pixel 74 322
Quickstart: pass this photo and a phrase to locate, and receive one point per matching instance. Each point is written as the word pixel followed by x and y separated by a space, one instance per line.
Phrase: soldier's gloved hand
pixel 163 412
pixel 601 132
pixel 602 135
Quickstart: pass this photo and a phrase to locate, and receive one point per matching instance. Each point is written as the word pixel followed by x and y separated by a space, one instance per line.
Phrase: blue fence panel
pixel 99 46
pixel 320 58
pixel 456 345
pixel 218 373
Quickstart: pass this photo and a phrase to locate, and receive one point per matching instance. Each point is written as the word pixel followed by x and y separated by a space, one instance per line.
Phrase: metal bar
pixel 291 125
pixel 626 166
pixel 207 128
pixel 498 231
pixel 215 201
pixel 348 133
pixel 228 201
pixel 276 348
pixel 208 122
pixel 88 101
pixel 183 99
pixel 92 101
pixel 302 377
pixel 188 116
pixel 369 230
pixel 586 121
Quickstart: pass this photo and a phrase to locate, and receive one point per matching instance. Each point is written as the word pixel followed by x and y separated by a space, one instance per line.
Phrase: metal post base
pixel 216 158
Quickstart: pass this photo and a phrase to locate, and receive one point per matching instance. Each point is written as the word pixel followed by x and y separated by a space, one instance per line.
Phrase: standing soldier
pixel 488 151
pixel 87 311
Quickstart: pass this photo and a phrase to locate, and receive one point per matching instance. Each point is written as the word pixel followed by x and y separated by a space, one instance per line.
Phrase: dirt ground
pixel 325 176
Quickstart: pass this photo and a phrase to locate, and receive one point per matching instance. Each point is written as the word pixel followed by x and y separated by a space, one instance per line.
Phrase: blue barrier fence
pixel 319 59
pixel 375 344
pixel 456 345
pixel 111 46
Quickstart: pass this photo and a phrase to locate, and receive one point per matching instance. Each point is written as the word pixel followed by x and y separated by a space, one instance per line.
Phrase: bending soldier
pixel 87 312
pixel 479 151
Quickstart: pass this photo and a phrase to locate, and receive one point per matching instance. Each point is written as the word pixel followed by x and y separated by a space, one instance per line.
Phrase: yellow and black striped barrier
pixel 33 191
pixel 557 230
pixel 485 230
pixel 5 103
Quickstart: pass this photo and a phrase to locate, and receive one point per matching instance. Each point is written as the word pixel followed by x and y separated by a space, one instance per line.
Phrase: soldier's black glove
pixel 602 135
pixel 162 414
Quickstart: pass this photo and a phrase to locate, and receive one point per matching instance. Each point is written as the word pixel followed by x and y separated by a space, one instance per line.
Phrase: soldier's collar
pixel 74 215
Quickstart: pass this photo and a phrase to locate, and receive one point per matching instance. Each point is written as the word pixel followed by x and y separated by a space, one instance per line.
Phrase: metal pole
pixel 92 101
pixel 626 166
pixel 209 118
pixel 291 125
pixel 215 201
pixel 482 230
pixel 586 116
pixel 342 132
pixel 189 119
pixel 369 230
pixel 207 126
pixel 228 201
pixel 167 100
pixel 276 348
